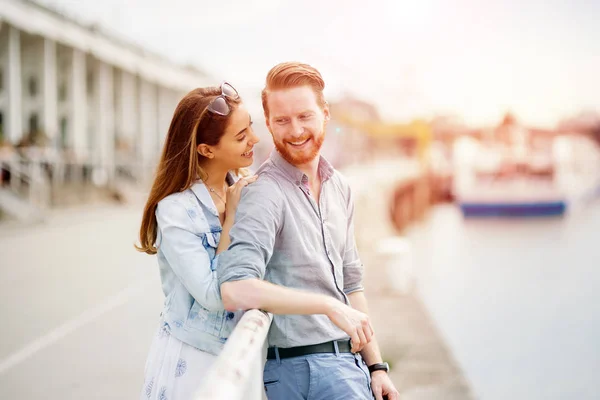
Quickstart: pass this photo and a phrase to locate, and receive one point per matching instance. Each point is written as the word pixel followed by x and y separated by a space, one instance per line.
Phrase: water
pixel 517 300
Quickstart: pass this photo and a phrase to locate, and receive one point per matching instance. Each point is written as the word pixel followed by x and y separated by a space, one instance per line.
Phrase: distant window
pixel 33 86
pixel 33 123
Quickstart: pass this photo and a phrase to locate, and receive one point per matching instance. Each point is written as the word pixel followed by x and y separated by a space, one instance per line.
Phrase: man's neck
pixel 311 169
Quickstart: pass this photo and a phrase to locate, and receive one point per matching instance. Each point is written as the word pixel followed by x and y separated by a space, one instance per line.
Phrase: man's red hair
pixel 293 74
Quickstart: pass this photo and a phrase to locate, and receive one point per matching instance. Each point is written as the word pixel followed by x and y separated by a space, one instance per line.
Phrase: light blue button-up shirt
pixel 283 235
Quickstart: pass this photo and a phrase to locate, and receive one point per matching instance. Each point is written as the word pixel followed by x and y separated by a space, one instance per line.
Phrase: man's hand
pixel 355 323
pixel 382 385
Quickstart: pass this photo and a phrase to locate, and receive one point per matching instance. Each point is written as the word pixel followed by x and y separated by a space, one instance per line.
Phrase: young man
pixel 294 229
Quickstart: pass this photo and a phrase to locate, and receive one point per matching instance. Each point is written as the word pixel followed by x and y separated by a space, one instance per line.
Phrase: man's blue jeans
pixel 318 376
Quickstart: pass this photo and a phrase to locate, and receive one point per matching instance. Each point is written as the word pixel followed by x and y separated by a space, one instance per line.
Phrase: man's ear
pixel 205 151
pixel 326 111
pixel 268 126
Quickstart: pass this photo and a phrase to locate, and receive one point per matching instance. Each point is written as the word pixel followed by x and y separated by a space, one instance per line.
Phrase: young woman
pixel 186 222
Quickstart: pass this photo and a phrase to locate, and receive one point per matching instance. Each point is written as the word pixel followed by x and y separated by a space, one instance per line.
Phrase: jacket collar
pixel 202 194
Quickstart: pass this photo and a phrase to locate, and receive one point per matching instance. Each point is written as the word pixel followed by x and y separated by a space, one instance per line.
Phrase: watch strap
pixel 379 367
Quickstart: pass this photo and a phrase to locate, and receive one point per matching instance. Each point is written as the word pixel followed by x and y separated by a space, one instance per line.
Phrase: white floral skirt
pixel 174 370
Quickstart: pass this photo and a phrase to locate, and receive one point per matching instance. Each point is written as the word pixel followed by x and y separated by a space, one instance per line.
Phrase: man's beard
pixel 299 159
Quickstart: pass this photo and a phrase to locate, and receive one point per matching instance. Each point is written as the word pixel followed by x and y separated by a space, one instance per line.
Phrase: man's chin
pixel 297 159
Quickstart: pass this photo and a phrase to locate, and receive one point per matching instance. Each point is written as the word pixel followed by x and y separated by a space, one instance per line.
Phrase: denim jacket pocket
pixel 210 241
pixel 204 320
pixel 230 320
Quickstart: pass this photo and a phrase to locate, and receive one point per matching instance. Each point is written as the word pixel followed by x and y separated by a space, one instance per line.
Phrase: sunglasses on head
pixel 219 104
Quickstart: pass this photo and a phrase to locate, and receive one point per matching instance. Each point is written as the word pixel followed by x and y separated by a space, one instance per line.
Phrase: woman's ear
pixel 205 151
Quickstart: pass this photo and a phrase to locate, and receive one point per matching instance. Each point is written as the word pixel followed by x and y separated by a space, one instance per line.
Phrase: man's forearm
pixel 370 353
pixel 255 293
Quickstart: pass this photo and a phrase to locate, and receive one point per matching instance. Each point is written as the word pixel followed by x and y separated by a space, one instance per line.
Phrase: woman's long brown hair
pixel 179 165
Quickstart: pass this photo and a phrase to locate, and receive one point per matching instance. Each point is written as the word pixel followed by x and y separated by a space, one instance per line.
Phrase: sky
pixel 413 59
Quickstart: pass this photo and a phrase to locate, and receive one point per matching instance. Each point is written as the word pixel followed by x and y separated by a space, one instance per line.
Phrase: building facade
pixel 81 94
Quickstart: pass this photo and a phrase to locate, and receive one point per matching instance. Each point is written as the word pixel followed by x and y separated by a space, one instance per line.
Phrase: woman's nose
pixel 253 137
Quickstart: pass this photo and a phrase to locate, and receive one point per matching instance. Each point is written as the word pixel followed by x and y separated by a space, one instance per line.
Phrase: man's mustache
pixel 301 138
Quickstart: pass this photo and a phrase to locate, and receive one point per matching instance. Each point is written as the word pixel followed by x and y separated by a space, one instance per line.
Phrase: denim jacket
pixel 188 234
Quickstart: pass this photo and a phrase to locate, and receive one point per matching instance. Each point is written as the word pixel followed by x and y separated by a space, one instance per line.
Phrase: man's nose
pixel 297 128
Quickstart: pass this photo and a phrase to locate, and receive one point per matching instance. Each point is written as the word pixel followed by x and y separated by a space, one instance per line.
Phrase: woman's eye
pixel 242 138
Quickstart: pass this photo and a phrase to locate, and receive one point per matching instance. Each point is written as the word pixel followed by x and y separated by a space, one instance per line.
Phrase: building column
pixel 14 117
pixel 78 138
pixel 128 109
pixel 166 107
pixel 104 145
pixel 50 92
pixel 148 132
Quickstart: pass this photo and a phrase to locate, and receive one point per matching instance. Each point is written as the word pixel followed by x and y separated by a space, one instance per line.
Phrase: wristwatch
pixel 379 367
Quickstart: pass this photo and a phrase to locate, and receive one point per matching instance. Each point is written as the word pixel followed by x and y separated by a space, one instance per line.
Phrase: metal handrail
pixel 231 375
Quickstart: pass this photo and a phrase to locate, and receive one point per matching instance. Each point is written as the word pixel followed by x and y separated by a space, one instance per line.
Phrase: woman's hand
pixel 234 193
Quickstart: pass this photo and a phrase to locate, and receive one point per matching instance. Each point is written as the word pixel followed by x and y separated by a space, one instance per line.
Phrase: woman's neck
pixel 215 176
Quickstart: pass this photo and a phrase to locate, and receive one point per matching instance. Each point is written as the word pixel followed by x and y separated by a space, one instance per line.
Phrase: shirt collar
pixel 325 169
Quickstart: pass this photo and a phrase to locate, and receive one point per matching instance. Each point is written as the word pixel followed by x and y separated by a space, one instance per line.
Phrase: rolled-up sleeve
pixel 257 221
pixel 353 267
pixel 184 250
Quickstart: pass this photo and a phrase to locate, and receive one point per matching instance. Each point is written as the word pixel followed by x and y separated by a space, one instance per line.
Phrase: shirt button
pixel 230 315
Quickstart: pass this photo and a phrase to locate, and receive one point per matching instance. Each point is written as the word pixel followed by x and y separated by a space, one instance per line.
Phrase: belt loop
pixel 277 355
pixel 336 347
